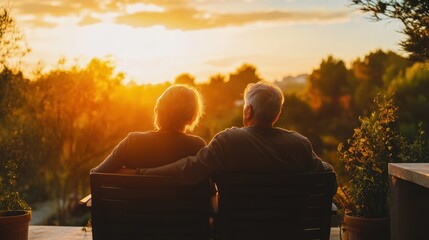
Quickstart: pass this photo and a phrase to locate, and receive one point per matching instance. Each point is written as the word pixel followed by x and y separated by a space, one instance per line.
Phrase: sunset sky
pixel 156 40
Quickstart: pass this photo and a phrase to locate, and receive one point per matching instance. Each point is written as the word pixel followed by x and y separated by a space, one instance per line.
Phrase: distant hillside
pixel 292 84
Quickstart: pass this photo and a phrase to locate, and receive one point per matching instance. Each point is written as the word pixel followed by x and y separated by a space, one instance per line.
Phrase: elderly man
pixel 256 147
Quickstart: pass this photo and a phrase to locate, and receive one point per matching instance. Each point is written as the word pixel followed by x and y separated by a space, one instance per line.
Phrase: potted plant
pixel 375 143
pixel 15 213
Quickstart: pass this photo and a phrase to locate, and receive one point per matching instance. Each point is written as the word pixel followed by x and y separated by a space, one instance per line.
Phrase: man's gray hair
pixel 266 99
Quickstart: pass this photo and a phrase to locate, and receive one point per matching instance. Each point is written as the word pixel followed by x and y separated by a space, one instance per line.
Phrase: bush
pixel 9 197
pixel 375 143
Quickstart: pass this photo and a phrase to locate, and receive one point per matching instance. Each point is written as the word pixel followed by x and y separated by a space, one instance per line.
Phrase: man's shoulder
pixel 229 134
pixel 290 132
pixel 232 131
pixel 292 135
pixel 236 131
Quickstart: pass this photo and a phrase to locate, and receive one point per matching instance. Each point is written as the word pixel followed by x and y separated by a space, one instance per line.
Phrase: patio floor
pixel 76 233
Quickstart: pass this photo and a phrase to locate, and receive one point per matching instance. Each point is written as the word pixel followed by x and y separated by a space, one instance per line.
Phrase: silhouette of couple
pixel 257 147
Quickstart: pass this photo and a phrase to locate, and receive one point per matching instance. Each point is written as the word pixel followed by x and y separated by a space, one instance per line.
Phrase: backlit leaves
pixel 374 144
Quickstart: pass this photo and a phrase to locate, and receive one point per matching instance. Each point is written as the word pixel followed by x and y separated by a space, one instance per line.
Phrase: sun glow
pixel 129 43
pixel 150 49
pixel 155 41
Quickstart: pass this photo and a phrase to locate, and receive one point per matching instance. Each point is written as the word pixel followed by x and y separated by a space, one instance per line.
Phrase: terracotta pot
pixel 360 228
pixel 14 225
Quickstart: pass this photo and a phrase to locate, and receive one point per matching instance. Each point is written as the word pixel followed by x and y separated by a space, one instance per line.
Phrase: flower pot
pixel 360 228
pixel 14 225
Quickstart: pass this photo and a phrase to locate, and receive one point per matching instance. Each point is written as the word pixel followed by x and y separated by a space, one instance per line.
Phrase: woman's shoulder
pixel 157 136
pixel 143 137
pixel 196 139
pixel 174 135
pixel 141 134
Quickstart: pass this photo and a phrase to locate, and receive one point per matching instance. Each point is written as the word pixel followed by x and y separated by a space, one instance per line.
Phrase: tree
pixel 19 133
pixel 326 86
pixel 297 115
pixel 411 96
pixel 216 103
pixel 75 112
pixel 217 79
pixel 185 78
pixel 238 80
pixel 12 43
pixel 373 74
pixel 414 14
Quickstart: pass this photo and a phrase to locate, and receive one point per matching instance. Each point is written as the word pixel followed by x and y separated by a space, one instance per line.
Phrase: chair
pixel 275 205
pixel 148 207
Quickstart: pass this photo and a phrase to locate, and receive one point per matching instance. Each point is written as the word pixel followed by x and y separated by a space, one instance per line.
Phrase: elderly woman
pixel 177 110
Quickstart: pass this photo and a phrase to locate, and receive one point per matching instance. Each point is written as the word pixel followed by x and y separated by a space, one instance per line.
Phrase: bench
pixel 274 205
pixel 250 206
pixel 148 207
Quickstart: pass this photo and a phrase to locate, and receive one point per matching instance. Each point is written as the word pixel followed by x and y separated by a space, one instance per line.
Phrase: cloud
pixel 175 14
pixel 44 9
pixel 41 9
pixel 174 19
pixel 39 22
pixel 75 7
pixel 192 19
pixel 88 20
pixel 56 8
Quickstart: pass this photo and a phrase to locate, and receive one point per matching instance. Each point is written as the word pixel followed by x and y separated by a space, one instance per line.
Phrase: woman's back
pixel 157 148
pixel 151 149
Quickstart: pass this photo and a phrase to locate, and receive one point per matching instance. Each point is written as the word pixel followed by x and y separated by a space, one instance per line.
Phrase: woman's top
pixel 150 149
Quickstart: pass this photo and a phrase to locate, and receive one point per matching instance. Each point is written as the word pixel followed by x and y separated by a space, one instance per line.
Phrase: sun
pixel 131 43
pixel 150 51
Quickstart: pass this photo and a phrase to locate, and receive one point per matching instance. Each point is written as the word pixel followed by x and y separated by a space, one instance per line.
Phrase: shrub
pixel 375 143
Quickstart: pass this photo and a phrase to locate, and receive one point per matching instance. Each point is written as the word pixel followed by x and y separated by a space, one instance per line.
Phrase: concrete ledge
pixel 417 173
pixel 36 232
pixel 409 198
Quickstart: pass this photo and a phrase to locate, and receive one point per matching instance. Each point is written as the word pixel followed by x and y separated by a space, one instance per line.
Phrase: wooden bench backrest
pixel 148 207
pixel 275 206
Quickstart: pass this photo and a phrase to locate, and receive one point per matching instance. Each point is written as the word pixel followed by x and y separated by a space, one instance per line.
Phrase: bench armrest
pixel 334 209
pixel 86 201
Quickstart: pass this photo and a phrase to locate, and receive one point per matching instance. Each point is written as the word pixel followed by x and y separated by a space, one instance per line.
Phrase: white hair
pixel 266 100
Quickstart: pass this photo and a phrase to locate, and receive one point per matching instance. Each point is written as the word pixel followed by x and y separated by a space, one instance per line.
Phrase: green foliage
pixel 330 80
pixel 375 143
pixel 80 118
pixel 411 95
pixel 373 74
pixel 418 149
pixel 329 94
pixel 10 199
pixel 14 136
pixel 412 13
pixel 238 80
